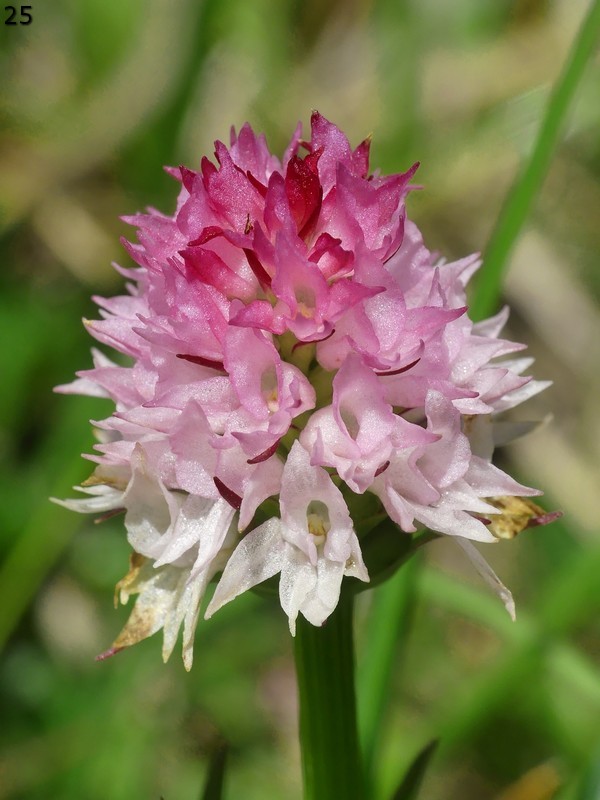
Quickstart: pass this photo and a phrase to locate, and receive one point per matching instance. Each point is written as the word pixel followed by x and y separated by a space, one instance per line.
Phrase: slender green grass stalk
pixel 215 780
pixel 590 784
pixel 411 783
pixel 331 761
pixel 390 617
pixel 529 181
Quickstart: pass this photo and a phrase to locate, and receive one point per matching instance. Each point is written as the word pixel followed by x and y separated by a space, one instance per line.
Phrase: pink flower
pixel 292 344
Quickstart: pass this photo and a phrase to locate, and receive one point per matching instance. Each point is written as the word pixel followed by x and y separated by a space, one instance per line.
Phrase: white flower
pixel 313 546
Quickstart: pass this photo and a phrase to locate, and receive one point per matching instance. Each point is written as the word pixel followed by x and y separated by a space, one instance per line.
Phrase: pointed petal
pixel 488 575
pixel 102 498
pixel 257 557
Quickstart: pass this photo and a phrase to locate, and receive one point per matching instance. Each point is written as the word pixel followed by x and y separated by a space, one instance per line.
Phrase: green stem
pixel 331 762
pixel 527 184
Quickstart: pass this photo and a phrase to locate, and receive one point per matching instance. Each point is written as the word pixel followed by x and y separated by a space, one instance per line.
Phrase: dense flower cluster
pixel 290 337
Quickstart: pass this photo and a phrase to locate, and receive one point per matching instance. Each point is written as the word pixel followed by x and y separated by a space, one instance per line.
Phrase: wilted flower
pixel 291 337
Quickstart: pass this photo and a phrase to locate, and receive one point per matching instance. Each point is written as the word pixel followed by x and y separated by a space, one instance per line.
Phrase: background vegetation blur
pixel 96 95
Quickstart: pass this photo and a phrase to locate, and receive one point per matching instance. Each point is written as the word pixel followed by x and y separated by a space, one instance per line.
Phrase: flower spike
pixel 300 364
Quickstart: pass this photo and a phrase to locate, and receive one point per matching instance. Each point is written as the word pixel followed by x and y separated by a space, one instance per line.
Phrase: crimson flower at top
pixel 292 346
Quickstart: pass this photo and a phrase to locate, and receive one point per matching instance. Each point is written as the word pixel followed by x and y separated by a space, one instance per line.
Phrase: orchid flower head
pixel 292 350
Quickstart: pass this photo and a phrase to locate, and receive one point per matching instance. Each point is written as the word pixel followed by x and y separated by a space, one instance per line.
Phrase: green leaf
pixel 393 602
pixel 213 789
pixel 411 783
pixel 590 785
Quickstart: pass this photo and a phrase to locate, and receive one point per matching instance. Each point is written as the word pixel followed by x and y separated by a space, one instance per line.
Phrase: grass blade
pixel 213 790
pixel 527 184
pixel 391 613
pixel 411 783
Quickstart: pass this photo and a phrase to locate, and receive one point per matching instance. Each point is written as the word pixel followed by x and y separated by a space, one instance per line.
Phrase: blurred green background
pixel 95 96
